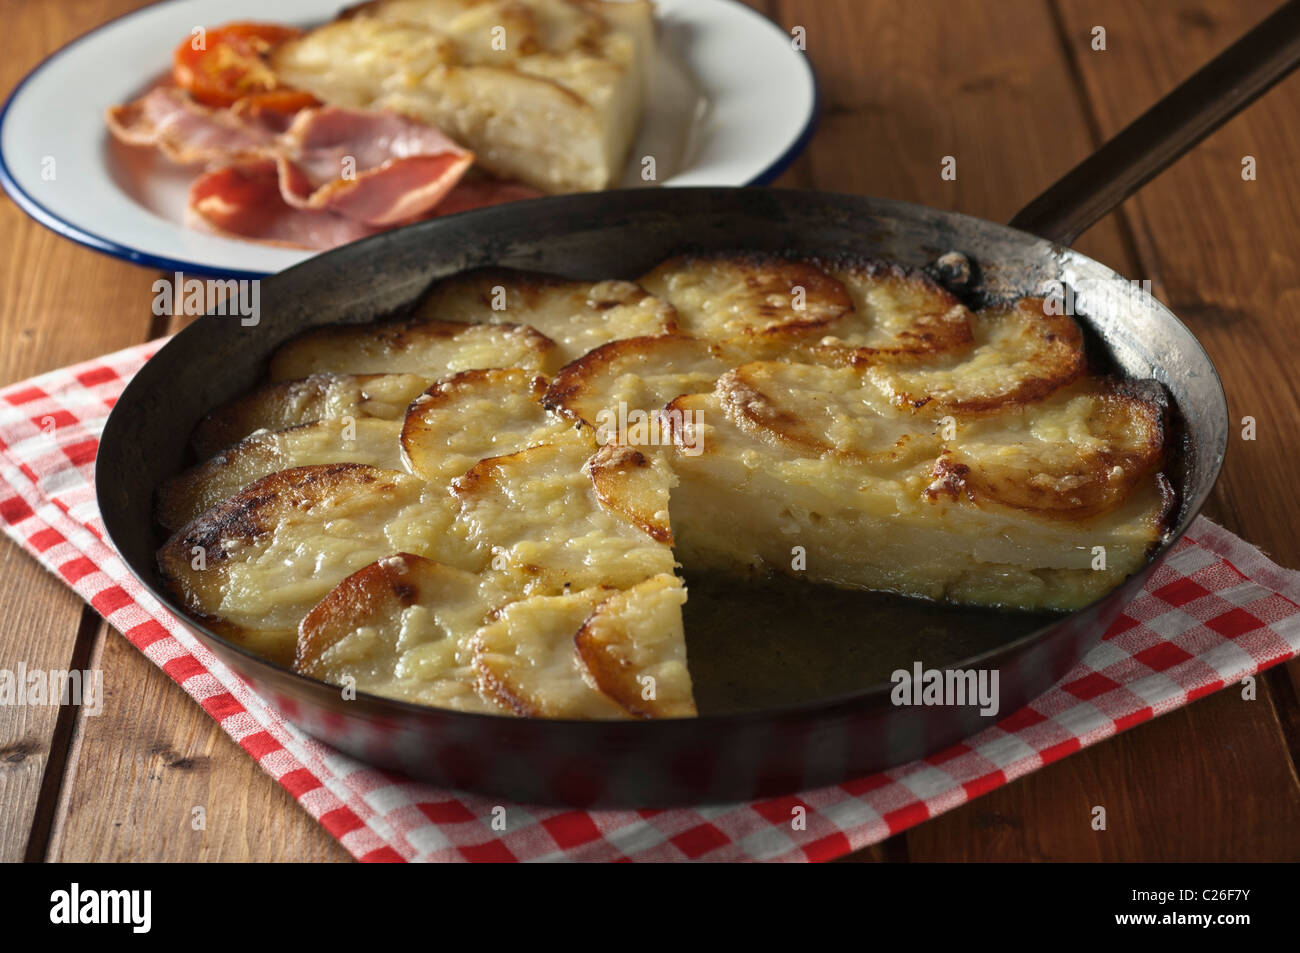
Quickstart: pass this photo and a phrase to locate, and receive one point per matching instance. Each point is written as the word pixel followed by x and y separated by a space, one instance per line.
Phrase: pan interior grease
pixel 844 726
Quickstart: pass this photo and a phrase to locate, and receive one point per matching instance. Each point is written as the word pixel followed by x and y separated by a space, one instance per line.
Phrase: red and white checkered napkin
pixel 1216 611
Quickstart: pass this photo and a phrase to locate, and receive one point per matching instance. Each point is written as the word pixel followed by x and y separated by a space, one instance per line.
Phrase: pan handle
pixel 1144 148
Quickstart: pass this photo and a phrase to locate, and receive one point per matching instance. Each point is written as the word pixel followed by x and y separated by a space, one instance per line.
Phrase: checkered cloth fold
pixel 1215 611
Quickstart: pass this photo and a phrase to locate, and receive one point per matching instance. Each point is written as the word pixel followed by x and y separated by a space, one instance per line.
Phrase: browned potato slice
pixel 536 517
pixel 577 315
pixel 430 348
pixel 255 564
pixel 1075 455
pixel 634 649
pixel 897 313
pixel 1020 354
pixel 472 415
pixel 727 295
pixel 399 627
pixel 630 483
pixel 640 374
pixel 527 662
pixel 824 410
pixel 288 404
pixel 363 440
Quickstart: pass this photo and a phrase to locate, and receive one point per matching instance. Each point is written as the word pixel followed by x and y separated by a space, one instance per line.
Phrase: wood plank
pixel 1216 780
pixel 1232 276
pixel 142 767
pixel 1223 248
pixel 904 85
pixel 975 81
pixel 1012 116
pixel 59 303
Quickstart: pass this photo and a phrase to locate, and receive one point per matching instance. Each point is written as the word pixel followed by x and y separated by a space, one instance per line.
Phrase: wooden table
pixel 1014 91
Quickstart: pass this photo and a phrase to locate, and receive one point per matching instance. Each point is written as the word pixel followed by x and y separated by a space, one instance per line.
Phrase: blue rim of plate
pixel 88 239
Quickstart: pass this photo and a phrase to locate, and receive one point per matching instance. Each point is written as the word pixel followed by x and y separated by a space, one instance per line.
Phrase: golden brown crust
pixel 378 588
pixel 250 514
pixel 903 312
pixel 1049 355
pixel 623 483
pixel 724 295
pixel 1121 442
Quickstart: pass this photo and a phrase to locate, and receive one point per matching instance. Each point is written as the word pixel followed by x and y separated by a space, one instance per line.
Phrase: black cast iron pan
pixel 762 737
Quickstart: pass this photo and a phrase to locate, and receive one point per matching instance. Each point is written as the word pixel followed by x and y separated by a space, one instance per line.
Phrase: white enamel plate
pixel 732 103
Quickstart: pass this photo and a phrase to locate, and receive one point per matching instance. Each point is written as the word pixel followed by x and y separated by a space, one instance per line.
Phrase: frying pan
pixel 771 744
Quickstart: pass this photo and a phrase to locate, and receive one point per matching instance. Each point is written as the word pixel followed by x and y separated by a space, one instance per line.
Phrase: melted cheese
pixel 525 564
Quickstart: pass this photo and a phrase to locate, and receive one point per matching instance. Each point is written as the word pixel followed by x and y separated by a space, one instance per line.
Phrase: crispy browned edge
pixel 244 516
pixel 363 593
pixel 614 461
pixel 811 276
pixel 568 380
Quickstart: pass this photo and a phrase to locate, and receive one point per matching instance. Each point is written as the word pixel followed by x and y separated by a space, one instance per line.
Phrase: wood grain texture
pixel 141 768
pixel 1216 780
pixel 59 303
pixel 1015 117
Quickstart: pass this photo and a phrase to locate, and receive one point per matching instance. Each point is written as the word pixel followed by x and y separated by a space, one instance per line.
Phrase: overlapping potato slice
pixel 722 296
pixel 318 397
pixel 536 517
pixel 634 484
pixel 527 662
pixel 897 314
pixel 848 422
pixel 399 627
pixel 634 649
pixel 577 315
pixel 886 524
pixel 338 440
pixel 432 349
pixel 1078 453
pixel 823 410
pixel 255 564
pixel 638 374
pixel 473 415
pixel 1020 354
